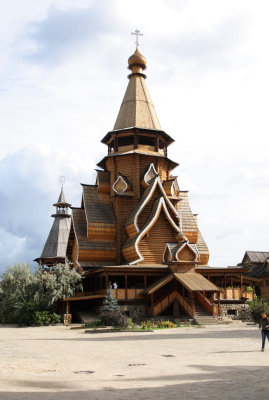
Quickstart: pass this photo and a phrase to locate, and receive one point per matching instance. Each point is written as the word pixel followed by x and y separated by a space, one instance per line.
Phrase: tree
pixel 60 282
pixel 18 288
pixel 110 311
pixel 110 304
pixel 24 292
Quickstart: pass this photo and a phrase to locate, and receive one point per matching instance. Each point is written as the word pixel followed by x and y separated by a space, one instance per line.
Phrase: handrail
pixel 208 305
pixel 161 305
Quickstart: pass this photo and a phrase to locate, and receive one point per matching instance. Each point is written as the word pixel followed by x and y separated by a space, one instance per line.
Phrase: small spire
pixel 62 200
pixel 137 33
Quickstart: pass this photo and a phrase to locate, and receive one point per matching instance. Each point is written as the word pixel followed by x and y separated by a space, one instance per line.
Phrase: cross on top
pixel 62 179
pixel 137 33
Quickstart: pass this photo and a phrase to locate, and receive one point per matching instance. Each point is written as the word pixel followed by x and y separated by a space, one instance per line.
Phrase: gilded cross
pixel 137 33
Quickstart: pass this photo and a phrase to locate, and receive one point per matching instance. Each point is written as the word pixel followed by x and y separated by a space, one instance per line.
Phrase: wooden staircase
pixel 162 304
pixel 202 316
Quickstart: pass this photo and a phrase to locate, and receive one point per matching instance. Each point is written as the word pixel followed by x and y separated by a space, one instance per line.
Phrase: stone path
pixel 56 363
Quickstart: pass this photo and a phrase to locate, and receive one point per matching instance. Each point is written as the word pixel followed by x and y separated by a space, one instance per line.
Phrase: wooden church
pixel 135 227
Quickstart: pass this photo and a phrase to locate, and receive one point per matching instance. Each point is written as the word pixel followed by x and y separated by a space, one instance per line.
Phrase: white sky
pixel 62 79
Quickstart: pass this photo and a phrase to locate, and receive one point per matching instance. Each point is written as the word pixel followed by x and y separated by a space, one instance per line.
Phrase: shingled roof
pixel 255 256
pixel 98 206
pixel 56 245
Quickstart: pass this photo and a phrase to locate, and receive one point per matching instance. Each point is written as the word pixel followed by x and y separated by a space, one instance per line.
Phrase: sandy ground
pixel 56 363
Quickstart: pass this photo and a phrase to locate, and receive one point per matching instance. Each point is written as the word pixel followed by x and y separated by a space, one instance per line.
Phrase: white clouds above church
pixel 63 77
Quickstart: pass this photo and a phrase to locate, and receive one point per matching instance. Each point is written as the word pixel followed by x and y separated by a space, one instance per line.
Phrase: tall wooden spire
pixel 137 109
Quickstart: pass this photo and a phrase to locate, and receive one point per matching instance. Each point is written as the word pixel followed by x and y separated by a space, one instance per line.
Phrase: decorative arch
pixel 186 248
pixel 150 174
pixel 120 185
pixel 158 206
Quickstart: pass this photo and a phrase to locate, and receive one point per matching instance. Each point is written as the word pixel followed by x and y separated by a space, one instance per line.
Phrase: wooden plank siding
pixel 152 245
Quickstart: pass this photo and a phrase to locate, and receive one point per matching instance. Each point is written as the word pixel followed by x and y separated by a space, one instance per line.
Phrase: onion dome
pixel 137 60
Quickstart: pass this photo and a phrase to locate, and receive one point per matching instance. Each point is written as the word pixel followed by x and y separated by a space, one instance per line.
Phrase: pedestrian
pixel 264 326
pixel 115 285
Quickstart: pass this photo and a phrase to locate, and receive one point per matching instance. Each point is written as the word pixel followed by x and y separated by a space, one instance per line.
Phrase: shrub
pixel 94 324
pixel 159 324
pixel 41 318
pixel 257 307
pixel 114 318
pixel 166 324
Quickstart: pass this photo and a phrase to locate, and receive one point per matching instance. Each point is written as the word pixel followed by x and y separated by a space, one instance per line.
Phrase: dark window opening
pixel 111 147
pixel 231 312
pixel 125 141
pixel 145 140
pixel 118 279
pixel 135 282
pixel 161 144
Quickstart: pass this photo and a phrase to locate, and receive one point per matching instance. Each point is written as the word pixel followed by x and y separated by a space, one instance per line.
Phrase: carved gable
pixel 152 245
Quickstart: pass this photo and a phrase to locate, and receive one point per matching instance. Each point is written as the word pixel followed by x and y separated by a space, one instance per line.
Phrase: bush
pixel 159 324
pixel 94 324
pixel 44 318
pixel 257 307
pixel 114 318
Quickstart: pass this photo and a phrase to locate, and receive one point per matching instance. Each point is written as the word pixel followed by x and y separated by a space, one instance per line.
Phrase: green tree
pixel 60 282
pixel 110 304
pixel 257 307
pixel 18 288
pixel 24 292
pixel 110 311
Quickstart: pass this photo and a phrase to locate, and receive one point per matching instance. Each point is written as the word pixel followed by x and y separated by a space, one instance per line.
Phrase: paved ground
pixel 56 363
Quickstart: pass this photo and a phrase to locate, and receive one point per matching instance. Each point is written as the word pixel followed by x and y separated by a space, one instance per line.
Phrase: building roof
pixel 79 222
pixel 196 282
pixel 61 200
pixel 158 284
pixel 259 271
pixel 255 256
pixel 98 206
pixel 56 244
pixel 137 108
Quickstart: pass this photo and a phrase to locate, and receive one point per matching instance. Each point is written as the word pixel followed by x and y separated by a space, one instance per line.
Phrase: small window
pixel 148 141
pixel 231 312
pixel 125 141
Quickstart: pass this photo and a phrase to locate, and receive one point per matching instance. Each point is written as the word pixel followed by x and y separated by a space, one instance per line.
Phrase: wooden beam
pixel 67 307
pixel 126 285
pixel 145 281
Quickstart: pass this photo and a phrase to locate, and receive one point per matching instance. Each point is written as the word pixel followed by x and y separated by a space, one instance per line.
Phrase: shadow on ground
pixel 206 382
pixel 110 337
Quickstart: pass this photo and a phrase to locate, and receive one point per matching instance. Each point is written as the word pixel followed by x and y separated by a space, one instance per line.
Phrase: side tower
pixel 56 245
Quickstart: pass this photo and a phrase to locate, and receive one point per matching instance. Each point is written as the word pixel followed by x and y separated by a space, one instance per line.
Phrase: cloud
pixel 62 31
pixel 28 188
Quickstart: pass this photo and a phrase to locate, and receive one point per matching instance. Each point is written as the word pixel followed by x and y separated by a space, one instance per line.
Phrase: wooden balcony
pixel 235 294
pixel 120 294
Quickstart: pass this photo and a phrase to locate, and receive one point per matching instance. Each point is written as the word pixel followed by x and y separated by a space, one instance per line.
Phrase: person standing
pixel 264 326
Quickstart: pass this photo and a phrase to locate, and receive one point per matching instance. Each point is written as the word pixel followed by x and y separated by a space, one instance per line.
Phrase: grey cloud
pixel 24 208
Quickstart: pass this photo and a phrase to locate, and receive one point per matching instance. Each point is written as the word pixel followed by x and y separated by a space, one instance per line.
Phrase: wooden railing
pixel 235 294
pixel 119 294
pixel 185 305
pixel 211 307
pixel 129 294
pixel 166 301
